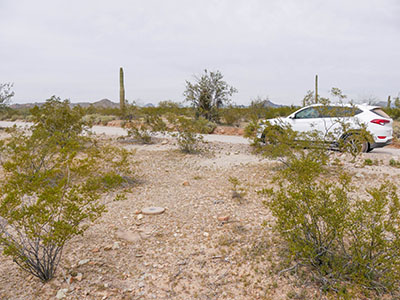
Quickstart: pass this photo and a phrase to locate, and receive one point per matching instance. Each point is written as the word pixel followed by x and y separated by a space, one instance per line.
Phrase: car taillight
pixel 380 121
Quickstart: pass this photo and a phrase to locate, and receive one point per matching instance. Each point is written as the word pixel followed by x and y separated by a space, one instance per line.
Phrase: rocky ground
pixel 210 243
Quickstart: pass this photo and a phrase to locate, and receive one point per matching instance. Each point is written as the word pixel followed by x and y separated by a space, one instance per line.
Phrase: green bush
pixel 54 176
pixel 186 133
pixel 341 239
pixel 232 115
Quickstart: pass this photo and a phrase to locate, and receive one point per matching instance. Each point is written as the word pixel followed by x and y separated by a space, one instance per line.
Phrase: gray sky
pixel 73 49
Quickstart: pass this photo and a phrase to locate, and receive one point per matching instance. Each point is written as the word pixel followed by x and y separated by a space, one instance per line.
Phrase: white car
pixel 330 119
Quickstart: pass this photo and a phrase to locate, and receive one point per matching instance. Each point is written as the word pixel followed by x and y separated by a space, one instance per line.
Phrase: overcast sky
pixel 73 49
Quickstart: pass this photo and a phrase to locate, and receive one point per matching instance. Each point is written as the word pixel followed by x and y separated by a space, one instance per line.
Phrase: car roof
pixel 363 106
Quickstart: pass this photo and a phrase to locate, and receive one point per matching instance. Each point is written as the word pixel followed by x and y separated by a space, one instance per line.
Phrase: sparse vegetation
pixel 341 240
pixel 208 94
pixel 49 193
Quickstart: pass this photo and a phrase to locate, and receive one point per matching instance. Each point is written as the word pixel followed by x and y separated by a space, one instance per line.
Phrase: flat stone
pixel 153 210
pixel 61 293
pixel 128 236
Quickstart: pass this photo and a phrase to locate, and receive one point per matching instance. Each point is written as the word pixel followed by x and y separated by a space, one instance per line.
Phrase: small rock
pixel 108 247
pixel 140 216
pixel 61 293
pixel 138 211
pixel 83 262
pixel 223 218
pixel 186 183
pixel 70 280
pixel 206 234
pixel 164 142
pixel 141 284
pixel 95 250
pixel 79 277
pixel 115 246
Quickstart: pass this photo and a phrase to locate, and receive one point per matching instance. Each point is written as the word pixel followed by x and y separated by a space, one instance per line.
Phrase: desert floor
pixel 212 242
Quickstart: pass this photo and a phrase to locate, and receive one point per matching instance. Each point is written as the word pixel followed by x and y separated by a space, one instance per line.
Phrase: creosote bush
pixel 344 237
pixel 187 133
pixel 54 176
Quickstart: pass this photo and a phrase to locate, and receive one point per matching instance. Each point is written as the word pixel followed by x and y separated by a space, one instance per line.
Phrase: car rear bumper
pixel 380 145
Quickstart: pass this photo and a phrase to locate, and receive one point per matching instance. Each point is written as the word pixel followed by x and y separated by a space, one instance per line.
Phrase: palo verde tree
pixel 53 178
pixel 208 94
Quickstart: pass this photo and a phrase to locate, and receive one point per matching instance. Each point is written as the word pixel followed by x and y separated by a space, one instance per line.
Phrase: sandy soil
pixel 209 243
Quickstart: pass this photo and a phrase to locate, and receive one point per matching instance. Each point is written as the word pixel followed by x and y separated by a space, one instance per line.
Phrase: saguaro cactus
pixel 121 90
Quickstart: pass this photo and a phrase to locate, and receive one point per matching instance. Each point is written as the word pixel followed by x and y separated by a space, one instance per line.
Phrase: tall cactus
pixel 121 90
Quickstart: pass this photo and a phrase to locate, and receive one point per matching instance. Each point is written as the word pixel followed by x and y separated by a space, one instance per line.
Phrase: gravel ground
pixel 208 244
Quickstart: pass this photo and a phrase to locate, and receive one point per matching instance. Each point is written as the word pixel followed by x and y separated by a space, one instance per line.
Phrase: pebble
pixel 138 211
pixel 140 216
pixel 83 262
pixel 164 142
pixel 223 218
pixel 79 277
pixel 115 246
pixel 141 284
pixel 61 293
pixel 206 234
pixel 186 183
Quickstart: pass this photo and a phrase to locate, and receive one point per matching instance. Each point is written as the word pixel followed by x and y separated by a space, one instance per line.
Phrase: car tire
pixel 354 144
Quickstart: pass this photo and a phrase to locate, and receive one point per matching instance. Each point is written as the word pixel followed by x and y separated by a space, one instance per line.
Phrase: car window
pixel 308 113
pixel 338 111
pixel 380 113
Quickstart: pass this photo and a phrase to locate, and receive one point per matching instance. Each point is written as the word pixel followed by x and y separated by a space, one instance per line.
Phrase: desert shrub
pixel 97 119
pixel 53 178
pixel 340 239
pixel 186 133
pixel 146 127
pixel 238 191
pixel 232 115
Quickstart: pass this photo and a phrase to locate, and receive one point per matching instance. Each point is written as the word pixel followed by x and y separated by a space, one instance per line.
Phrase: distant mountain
pixel 268 103
pixel 106 103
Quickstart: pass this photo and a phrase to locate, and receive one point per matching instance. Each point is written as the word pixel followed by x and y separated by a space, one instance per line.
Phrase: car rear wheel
pixel 355 144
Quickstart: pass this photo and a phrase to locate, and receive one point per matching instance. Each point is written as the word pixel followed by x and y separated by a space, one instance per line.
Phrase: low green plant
pixel 98 119
pixel 232 115
pixel 53 178
pixel 238 191
pixel 370 162
pixel 146 127
pixel 186 133
pixel 394 163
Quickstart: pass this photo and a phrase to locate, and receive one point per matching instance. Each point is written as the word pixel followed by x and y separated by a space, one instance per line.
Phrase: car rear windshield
pixel 380 112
